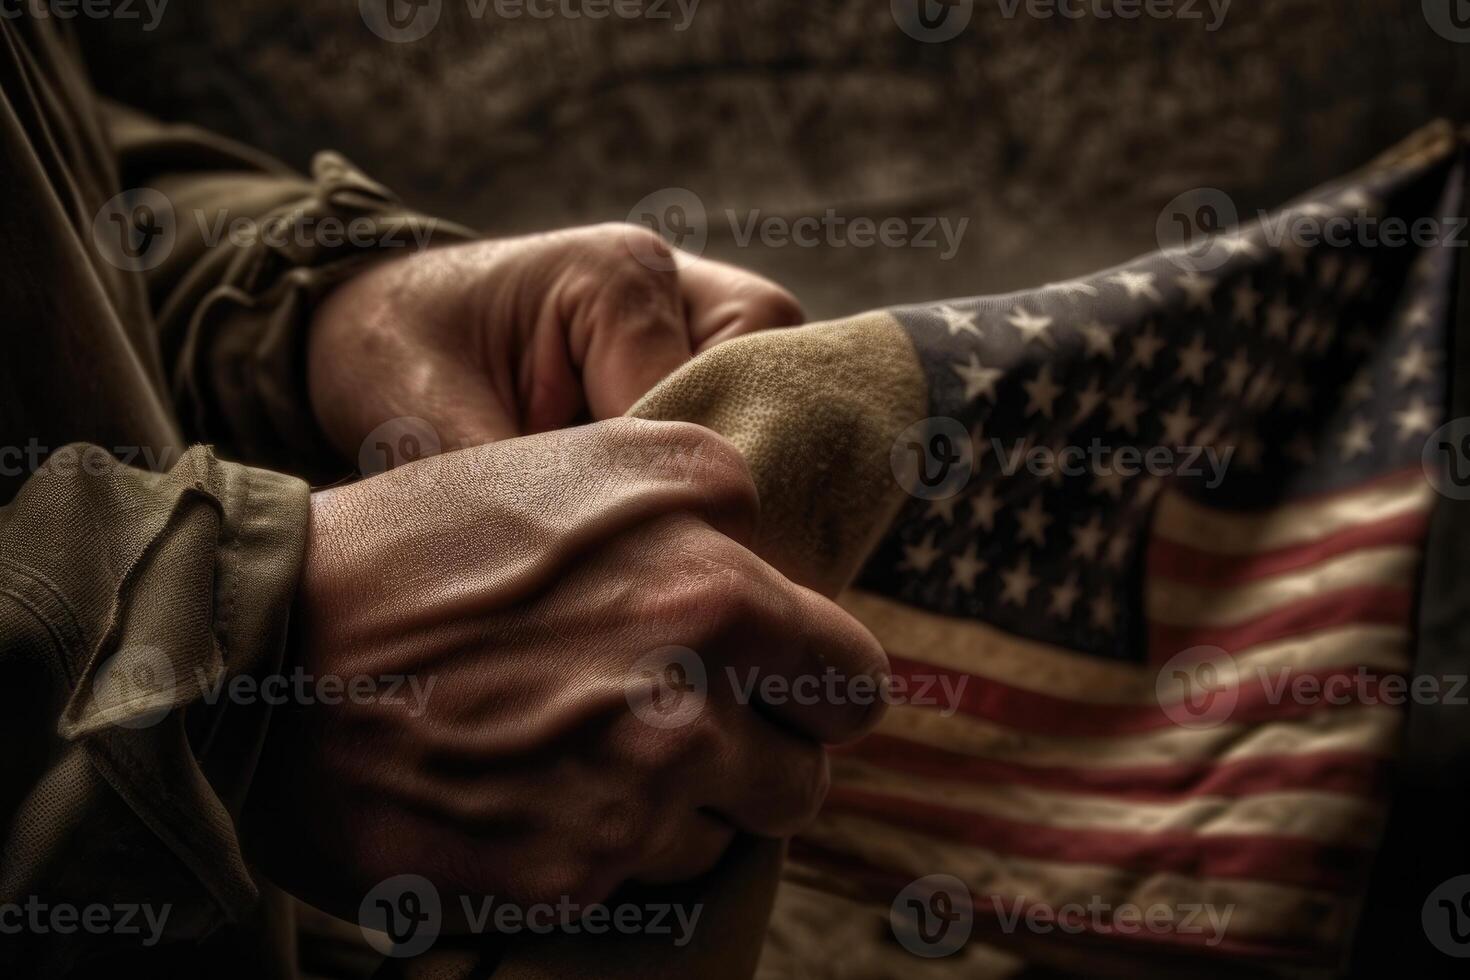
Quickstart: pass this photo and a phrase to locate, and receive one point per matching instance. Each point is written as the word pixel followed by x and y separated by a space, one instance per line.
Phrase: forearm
pixel 248 250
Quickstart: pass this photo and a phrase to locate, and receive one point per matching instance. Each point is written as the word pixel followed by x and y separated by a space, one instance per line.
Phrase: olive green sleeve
pixel 247 248
pixel 128 601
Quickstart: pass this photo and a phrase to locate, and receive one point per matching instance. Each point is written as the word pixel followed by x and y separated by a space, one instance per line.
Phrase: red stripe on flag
pixel 1257 699
pixel 1376 605
pixel 1354 774
pixel 880 886
pixel 1296 861
pixel 1181 563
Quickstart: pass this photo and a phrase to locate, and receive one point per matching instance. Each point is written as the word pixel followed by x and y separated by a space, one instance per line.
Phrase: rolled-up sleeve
pixel 129 766
pixel 254 246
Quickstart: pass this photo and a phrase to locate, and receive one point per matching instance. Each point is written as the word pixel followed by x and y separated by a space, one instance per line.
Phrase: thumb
pixel 635 334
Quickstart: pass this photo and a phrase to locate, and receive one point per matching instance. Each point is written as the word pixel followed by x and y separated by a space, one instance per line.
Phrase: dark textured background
pixel 1059 139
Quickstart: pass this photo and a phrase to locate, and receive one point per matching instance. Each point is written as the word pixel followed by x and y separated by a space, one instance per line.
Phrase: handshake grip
pixel 814 410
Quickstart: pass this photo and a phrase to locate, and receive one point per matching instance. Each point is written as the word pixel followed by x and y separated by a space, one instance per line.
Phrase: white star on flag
pixel 979 380
pixel 1041 393
pixel 1416 418
pixel 957 321
pixel 1018 582
pixel 1030 326
pixel 1198 288
pixel 1357 440
pixel 1138 284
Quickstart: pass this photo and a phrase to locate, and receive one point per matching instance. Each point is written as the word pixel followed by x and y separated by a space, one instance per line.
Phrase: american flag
pixel 1076 768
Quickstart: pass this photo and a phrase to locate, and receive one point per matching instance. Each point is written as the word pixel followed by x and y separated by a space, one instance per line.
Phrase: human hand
pixel 529 581
pixel 506 337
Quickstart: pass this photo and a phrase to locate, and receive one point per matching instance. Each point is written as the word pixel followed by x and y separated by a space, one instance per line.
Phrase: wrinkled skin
pixel 515 336
pixel 537 582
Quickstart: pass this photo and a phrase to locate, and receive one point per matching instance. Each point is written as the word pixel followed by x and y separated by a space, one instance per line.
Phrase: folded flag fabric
pixel 1143 548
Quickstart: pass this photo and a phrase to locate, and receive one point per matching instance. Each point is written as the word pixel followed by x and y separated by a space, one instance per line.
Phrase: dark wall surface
pixel 1060 139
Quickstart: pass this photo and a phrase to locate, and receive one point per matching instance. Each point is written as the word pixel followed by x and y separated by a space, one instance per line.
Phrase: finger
pixel 723 301
pixel 687 469
pixel 460 403
pixel 766 781
pixel 800 659
pixel 629 332
pixel 694 848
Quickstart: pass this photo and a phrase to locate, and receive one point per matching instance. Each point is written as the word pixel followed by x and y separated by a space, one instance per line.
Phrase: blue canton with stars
pixel 1306 367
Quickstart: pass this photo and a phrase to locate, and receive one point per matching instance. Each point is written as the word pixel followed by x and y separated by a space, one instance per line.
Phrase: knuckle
pixel 666 755
pixel 580 880
pixel 629 247
pixel 704 456
pixel 804 779
pixel 691 455
pixel 616 236
pixel 729 593
pixel 768 305
pixel 619 834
